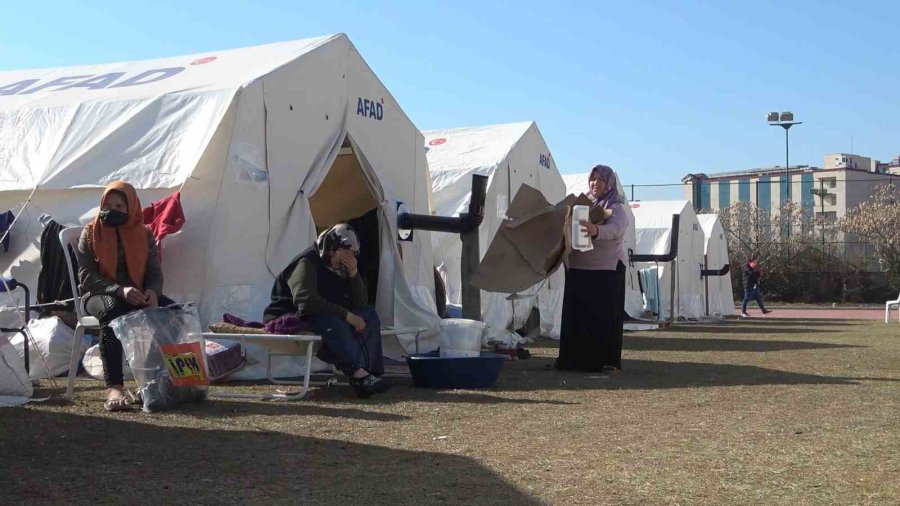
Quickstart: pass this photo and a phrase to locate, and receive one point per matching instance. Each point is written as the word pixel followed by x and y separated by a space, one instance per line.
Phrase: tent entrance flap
pixel 343 195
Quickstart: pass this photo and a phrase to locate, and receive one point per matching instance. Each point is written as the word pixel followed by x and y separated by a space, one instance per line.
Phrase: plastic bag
pixel 93 364
pixel 164 349
pixel 14 380
pixel 54 341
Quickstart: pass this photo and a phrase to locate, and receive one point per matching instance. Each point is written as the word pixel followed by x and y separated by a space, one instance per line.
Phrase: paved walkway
pixel 824 313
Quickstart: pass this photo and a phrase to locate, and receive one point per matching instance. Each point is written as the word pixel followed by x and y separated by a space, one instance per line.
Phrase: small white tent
pixel 510 155
pixel 577 184
pixel 266 144
pixel 653 226
pixel 719 295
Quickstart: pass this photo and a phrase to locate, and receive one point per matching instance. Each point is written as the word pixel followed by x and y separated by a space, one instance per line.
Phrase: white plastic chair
pixel 69 237
pixel 891 304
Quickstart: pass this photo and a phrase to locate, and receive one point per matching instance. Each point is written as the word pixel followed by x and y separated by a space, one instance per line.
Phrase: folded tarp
pixel 532 244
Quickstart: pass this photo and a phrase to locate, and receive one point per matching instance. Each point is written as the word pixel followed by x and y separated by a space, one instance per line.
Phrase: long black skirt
pixel 592 318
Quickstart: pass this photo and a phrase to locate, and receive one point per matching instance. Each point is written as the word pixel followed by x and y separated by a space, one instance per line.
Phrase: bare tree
pixel 775 236
pixel 878 222
pixel 787 241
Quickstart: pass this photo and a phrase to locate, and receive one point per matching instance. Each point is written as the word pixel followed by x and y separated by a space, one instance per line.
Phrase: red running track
pixel 824 313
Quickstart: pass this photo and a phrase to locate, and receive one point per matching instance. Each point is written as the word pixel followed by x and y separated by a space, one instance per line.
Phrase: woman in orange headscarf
pixel 119 272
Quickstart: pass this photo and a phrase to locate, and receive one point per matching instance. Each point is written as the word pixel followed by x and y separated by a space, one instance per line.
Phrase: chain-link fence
pixel 796 230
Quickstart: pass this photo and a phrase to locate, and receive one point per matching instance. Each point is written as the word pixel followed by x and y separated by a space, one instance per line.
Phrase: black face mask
pixel 113 218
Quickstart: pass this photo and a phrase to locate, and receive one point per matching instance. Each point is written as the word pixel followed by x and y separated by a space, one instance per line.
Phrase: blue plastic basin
pixel 429 370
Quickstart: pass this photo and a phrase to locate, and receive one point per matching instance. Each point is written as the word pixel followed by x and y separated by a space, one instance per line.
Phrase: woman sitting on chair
pixel 119 272
pixel 324 287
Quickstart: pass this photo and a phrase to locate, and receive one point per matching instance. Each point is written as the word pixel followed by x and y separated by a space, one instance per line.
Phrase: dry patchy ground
pixel 762 411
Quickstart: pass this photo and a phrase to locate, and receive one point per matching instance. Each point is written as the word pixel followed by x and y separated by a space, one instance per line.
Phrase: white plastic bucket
pixel 461 338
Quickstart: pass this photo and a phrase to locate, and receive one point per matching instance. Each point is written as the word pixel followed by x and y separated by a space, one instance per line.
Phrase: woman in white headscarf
pixel 594 297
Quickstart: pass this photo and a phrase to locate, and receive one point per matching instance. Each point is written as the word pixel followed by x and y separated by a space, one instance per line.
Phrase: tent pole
pixel 706 281
pixel 471 295
pixel 672 296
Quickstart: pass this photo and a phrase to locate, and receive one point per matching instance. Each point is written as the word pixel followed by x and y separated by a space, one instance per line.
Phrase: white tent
pixel 510 155
pixel 577 184
pixel 266 144
pixel 719 295
pixel 653 225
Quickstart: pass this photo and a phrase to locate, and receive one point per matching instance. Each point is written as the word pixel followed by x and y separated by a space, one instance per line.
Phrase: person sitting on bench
pixel 324 287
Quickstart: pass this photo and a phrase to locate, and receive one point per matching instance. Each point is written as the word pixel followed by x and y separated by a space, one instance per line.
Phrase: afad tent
pixel 577 184
pixel 267 144
pixel 653 227
pixel 510 155
pixel 718 293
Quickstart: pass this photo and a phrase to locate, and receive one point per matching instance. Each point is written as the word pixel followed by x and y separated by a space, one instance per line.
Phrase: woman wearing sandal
pixel 119 272
pixel 594 297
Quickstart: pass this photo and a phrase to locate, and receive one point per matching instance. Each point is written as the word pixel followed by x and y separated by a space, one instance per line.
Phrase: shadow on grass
pixel 538 374
pixel 61 458
pixel 219 408
pixel 663 343
pixel 405 391
pixel 770 328
pixel 214 407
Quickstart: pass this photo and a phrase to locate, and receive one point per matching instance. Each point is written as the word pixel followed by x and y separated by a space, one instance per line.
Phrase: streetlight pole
pixel 785 120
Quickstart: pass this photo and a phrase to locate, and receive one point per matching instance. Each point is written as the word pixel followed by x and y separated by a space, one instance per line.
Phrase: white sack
pixel 15 388
pixel 93 364
pixel 54 342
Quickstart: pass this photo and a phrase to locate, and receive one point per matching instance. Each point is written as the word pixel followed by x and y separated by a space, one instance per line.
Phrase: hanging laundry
pixel 6 220
pixel 165 216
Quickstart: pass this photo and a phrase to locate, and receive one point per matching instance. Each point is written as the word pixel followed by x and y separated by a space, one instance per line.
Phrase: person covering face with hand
pixel 323 286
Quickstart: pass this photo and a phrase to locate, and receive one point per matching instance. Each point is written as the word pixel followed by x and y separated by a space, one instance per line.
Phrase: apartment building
pixel 892 167
pixel 843 182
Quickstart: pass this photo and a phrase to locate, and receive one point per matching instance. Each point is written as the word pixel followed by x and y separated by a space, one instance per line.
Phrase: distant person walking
pixel 751 275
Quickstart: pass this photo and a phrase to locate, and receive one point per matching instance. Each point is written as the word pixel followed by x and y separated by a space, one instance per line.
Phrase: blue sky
pixel 655 90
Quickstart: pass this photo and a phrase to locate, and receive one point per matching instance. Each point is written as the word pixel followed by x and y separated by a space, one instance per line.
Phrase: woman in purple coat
pixel 594 298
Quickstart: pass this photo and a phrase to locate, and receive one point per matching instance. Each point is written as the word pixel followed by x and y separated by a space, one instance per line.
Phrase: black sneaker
pixel 371 384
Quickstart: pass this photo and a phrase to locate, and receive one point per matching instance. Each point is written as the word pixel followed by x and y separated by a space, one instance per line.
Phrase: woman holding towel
pixel 594 297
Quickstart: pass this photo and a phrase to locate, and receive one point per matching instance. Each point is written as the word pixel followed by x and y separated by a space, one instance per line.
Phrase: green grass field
pixel 743 412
